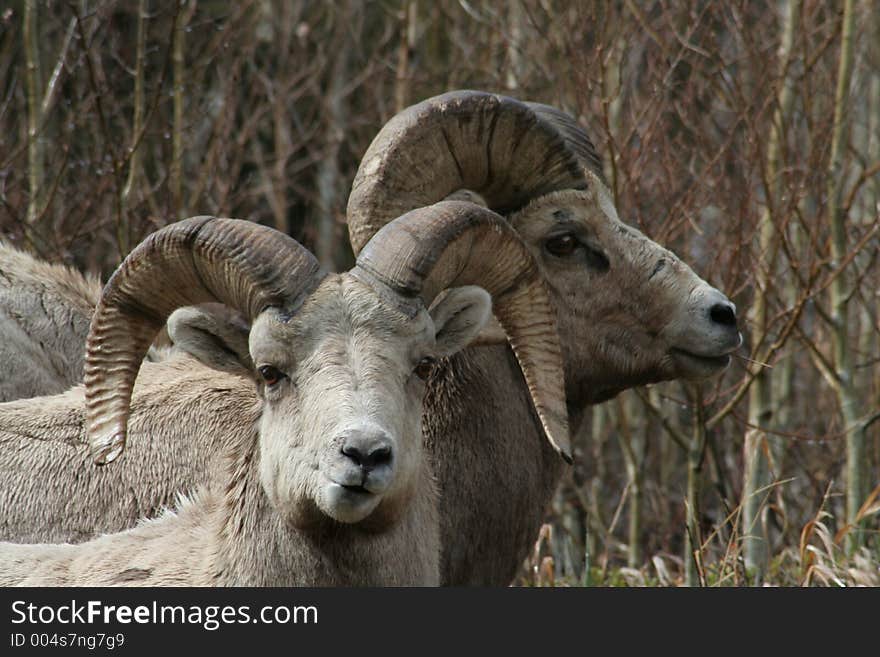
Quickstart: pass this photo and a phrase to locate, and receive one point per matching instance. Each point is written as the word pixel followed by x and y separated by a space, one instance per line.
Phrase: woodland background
pixel 743 135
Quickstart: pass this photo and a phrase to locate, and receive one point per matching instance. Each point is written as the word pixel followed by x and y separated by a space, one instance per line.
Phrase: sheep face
pixel 629 311
pixel 342 384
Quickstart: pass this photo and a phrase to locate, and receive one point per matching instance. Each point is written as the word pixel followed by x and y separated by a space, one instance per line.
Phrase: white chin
pixel 347 505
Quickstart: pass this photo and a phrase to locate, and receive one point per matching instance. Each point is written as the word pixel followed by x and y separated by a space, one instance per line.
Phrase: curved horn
pixel 455 243
pixel 505 150
pixel 242 264
pixel 575 138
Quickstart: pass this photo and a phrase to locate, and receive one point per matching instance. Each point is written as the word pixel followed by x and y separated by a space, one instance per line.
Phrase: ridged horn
pixel 454 243
pixel 575 138
pixel 239 263
pixel 507 151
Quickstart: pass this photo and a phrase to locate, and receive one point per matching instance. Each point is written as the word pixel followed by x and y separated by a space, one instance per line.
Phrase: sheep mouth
pixel 357 490
pixel 699 366
pixel 348 504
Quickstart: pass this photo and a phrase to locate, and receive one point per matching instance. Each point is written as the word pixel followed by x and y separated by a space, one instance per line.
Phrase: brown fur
pixel 496 472
pixel 628 311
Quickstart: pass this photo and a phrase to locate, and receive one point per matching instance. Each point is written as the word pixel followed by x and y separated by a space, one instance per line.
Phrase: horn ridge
pixel 454 243
pixel 494 145
pixel 239 263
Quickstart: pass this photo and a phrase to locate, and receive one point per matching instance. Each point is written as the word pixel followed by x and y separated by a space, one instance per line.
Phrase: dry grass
pixel 820 559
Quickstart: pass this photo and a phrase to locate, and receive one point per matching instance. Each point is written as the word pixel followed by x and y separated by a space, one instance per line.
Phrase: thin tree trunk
pixel 403 78
pixel 757 448
pixel 178 55
pixel 667 452
pixel 566 527
pixel 124 229
pixel 696 449
pixel 631 437
pixel 276 176
pixel 867 210
pixel 329 177
pixel 873 196
pixel 598 433
pixel 39 104
pixel 515 21
pixel 839 290
pixel 869 346
pixel 33 85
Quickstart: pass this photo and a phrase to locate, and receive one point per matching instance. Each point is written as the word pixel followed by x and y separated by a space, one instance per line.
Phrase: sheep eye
pixel 423 369
pixel 562 245
pixel 271 375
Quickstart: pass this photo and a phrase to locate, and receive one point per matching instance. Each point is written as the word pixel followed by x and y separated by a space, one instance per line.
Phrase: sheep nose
pixel 723 313
pixel 368 450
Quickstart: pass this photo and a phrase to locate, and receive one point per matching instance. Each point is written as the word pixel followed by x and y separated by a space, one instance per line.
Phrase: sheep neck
pixel 495 470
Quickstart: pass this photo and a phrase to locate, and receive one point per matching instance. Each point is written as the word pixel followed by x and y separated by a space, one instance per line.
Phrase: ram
pixel 45 311
pixel 327 482
pixel 629 312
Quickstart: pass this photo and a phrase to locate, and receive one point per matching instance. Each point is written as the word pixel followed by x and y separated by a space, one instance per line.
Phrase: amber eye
pixel 271 375
pixel 423 369
pixel 562 245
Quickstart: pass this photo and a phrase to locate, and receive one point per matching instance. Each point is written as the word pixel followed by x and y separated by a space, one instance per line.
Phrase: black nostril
pixel 722 313
pixel 353 453
pixel 380 456
pixel 365 455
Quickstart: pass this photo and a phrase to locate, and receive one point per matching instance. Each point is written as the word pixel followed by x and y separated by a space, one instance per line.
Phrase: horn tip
pixel 562 447
pixel 108 449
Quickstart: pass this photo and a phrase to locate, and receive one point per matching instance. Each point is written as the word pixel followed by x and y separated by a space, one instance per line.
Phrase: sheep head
pixel 629 311
pixel 342 382
pixel 632 311
pixel 338 360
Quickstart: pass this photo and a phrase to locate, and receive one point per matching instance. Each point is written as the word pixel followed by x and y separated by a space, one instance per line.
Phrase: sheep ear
pixel 213 334
pixel 492 333
pixel 458 316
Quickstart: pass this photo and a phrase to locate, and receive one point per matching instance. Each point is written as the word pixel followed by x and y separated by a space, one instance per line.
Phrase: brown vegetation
pixel 755 158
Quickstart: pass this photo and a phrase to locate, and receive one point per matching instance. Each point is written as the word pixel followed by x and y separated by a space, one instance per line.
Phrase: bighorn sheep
pixel 629 313
pixel 326 483
pixel 45 311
